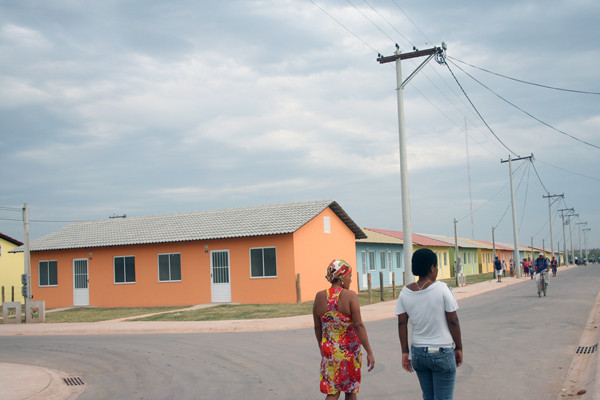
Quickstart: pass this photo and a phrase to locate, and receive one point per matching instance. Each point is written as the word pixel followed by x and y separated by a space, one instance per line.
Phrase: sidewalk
pixel 20 382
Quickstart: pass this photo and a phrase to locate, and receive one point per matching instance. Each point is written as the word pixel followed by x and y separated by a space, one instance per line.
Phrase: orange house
pixel 267 254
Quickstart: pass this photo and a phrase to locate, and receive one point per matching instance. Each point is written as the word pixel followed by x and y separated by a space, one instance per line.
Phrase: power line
pixel 369 19
pixel 390 24
pixel 526 82
pixel 518 186
pixel 344 26
pixel 525 112
pixel 412 22
pixel 7 208
pixel 538 175
pixel 571 172
pixel 476 110
pixel 525 199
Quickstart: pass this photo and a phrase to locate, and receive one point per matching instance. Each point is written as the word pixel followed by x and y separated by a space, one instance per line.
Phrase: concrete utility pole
pixel 580 247
pixel 493 244
pixel 514 209
pixel 562 216
pixel 569 216
pixel 587 249
pixel 550 218
pixel 439 53
pixel 27 258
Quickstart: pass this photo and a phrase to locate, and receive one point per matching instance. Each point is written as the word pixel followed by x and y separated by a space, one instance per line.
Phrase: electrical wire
pixel 476 110
pixel 525 112
pixel 390 24
pixel 538 175
pixel 571 172
pixel 525 198
pixel 344 26
pixel 525 82
pixel 371 21
pixel 509 204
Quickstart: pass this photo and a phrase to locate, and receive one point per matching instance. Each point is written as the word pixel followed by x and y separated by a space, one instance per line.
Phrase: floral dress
pixel 340 347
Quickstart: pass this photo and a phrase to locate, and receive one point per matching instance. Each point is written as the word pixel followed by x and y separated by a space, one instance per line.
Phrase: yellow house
pixel 485 255
pixel 11 268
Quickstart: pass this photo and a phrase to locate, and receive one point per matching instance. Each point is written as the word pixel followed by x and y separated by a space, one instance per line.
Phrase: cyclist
pixel 554 265
pixel 541 267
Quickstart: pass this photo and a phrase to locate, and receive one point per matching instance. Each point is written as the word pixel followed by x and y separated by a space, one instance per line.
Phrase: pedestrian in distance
pixel 554 265
pixel 340 333
pixel 525 267
pixel 436 345
pixel 531 268
pixel 503 268
pixel 498 269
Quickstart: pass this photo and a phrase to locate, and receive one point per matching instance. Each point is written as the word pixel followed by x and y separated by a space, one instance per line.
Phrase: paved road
pixel 516 346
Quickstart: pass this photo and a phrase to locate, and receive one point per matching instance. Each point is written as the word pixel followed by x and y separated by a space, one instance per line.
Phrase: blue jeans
pixel 436 372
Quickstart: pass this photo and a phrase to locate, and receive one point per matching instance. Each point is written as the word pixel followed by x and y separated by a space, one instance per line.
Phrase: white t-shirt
pixel 426 311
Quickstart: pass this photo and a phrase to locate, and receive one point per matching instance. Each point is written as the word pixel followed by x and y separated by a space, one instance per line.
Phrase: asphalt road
pixel 516 346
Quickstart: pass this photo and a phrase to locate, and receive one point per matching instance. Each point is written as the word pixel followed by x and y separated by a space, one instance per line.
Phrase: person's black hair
pixel 422 261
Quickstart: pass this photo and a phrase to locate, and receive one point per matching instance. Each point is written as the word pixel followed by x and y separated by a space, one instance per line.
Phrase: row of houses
pixel 267 254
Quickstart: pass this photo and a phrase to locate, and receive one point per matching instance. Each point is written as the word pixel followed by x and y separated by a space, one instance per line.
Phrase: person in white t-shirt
pixel 436 348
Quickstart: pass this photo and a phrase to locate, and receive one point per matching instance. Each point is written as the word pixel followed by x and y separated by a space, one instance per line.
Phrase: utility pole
pixel 550 219
pixel 457 264
pixel 580 251
pixel 493 244
pixel 27 280
pixel 587 251
pixel 562 216
pixel 469 176
pixel 439 53
pixel 514 208
pixel 569 216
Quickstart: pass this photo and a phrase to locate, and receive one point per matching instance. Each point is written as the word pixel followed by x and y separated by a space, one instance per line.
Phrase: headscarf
pixel 338 268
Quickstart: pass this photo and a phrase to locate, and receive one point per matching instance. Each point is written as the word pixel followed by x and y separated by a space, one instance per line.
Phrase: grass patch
pixel 471 279
pixel 85 314
pixel 227 311
pixel 236 311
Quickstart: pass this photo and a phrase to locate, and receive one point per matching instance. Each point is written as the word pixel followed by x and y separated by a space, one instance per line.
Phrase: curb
pixel 581 379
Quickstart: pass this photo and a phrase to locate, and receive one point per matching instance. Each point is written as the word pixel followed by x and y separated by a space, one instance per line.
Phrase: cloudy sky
pixel 158 107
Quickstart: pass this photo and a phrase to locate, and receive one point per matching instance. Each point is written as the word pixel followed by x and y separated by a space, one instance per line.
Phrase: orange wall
pixel 248 290
pixel 308 251
pixel 146 291
pixel 314 250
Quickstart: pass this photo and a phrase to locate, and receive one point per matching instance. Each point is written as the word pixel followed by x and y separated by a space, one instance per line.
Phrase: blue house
pixel 379 253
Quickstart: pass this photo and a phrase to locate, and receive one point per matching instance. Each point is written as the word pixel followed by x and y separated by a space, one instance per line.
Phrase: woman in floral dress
pixel 340 333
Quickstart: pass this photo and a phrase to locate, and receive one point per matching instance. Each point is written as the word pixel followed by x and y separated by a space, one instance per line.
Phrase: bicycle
pixel 542 285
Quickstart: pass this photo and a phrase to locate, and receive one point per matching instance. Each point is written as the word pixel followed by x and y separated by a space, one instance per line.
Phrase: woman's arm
pixel 359 327
pixel 403 335
pixel 317 323
pixel 454 327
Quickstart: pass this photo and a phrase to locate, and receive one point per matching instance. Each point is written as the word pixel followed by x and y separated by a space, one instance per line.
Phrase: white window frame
pixel 48 275
pixel 399 259
pixel 326 224
pixel 263 262
pixel 363 259
pixel 170 267
pixel 124 270
pixel 371 260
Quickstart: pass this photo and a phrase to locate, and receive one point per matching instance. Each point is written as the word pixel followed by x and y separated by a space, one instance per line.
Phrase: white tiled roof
pixel 192 226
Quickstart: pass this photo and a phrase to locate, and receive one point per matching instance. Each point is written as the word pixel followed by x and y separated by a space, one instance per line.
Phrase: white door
pixel 219 275
pixel 363 280
pixel 81 294
pixel 390 268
